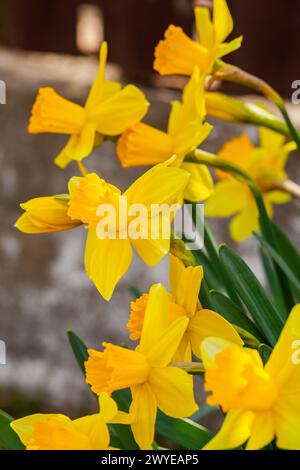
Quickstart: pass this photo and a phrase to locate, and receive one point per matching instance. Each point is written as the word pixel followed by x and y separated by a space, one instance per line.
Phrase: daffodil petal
pixel 270 140
pixel 246 222
pixel 262 431
pixel 224 202
pixel 200 186
pixel 282 354
pixel 228 47
pixel 162 184
pixel 106 261
pixel 187 284
pixel 121 111
pixel 204 26
pixel 143 408
pixel 207 323
pixel 97 89
pixel 236 429
pixel 162 352
pixel 156 317
pixel 174 391
pixel 24 427
pixel 108 407
pixel 95 429
pixel 287 418
pixel 222 20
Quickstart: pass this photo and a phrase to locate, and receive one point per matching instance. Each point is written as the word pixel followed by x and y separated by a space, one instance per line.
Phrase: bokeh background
pixel 43 287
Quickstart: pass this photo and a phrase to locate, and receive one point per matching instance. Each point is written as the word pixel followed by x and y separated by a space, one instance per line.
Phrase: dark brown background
pixel 271 30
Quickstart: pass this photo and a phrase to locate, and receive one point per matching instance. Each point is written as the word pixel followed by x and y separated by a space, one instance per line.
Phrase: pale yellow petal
pixel 97 89
pixel 270 140
pixel 46 214
pixel 191 136
pixel 121 111
pixel 229 197
pixel 188 288
pixel 184 351
pixel 24 427
pixel 207 323
pixel 262 431
pixel 246 222
pixel 79 146
pixel 204 26
pixel 143 408
pixel 287 418
pixel 106 261
pixel 174 391
pixel 200 186
pixel 282 355
pixel 151 251
pixel 95 429
pixel 228 47
pixel 222 20
pixel 162 184
pixel 163 351
pixel 108 407
pixel 155 319
pixel 236 429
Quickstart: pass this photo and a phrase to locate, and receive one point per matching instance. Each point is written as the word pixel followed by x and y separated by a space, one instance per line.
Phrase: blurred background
pixel 43 287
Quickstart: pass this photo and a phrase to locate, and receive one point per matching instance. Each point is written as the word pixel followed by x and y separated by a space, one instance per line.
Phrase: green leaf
pixel 231 312
pixel 264 314
pixel 135 291
pixel 265 352
pixel 208 268
pixel 183 432
pixel 284 262
pixel 8 438
pixel 79 349
pixel 204 295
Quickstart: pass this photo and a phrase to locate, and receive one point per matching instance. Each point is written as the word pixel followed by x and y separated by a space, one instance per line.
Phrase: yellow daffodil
pixel 184 302
pixel 108 254
pixel 108 111
pixel 58 432
pixel 265 164
pixel 147 371
pixel 179 54
pixel 145 145
pixel 261 402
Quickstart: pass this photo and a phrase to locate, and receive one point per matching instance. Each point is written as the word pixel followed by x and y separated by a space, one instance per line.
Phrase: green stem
pixel 294 133
pixel 193 368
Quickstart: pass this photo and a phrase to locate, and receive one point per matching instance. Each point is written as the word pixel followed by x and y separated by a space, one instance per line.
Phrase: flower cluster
pixel 216 321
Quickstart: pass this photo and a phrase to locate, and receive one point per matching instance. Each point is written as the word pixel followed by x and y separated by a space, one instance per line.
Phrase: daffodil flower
pixel 265 164
pixel 145 145
pixel 179 54
pixel 154 383
pixel 108 111
pixel 59 432
pixel 261 402
pixel 108 255
pixel 184 302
